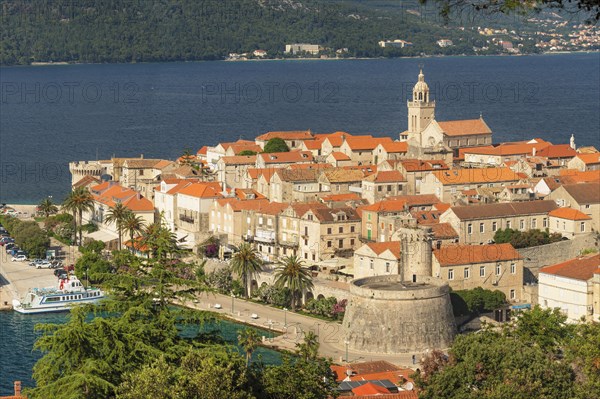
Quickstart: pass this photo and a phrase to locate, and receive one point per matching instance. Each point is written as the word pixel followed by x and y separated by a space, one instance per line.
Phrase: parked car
pixel 69 268
pixel 43 265
pixel 19 258
pixel 10 246
pixel 35 262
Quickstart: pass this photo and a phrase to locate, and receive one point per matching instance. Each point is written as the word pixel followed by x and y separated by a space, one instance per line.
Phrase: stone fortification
pixel 388 315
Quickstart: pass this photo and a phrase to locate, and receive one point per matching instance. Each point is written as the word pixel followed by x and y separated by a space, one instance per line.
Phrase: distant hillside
pixel 176 30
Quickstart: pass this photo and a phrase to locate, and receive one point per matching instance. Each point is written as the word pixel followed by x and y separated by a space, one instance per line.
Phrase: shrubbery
pixel 223 281
pixel 524 239
pixel 271 294
pixel 28 236
pixel 475 301
pixel 327 307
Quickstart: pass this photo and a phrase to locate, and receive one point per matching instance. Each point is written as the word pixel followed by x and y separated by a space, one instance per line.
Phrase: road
pixel 292 327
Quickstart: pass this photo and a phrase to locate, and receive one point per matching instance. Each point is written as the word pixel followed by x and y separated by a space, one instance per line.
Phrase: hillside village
pixel 338 201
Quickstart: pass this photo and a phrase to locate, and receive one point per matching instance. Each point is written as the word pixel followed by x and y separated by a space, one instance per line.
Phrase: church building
pixel 426 133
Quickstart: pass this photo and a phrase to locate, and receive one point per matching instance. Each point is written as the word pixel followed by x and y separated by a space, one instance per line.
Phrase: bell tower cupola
pixel 421 110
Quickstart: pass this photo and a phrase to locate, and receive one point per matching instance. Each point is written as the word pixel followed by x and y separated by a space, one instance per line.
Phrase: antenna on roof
pixel 480 115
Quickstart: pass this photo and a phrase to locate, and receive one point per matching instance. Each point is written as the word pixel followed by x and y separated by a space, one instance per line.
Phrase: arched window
pixel 420 96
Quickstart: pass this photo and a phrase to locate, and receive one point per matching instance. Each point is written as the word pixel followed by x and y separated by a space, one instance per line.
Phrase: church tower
pixel 421 111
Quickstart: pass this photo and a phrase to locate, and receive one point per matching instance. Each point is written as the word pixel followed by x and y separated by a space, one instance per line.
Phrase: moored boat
pixel 69 292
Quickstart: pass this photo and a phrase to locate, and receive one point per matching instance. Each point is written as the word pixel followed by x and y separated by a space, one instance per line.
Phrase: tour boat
pixel 70 291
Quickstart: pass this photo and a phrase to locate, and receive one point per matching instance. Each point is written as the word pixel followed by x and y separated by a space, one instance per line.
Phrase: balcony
pixel 248 237
pixel 187 219
pixel 266 236
pixel 289 242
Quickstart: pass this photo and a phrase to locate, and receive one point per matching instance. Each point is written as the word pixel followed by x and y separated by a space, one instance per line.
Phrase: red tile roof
pixel 339 156
pixel 395 147
pixel 582 268
pixel 309 166
pixel 239 160
pixel 86 180
pixel 483 175
pixel 366 144
pixel 465 127
pixel 237 148
pixel 288 135
pixel 287 157
pixel 202 190
pixel 468 254
pixel 569 214
pixel 202 151
pixel 392 176
pixel 131 199
pixel 418 165
pixel 370 389
pixel 381 247
pixel 341 197
pixel 589 159
pixel 386 205
pixel 557 151
pixel 336 141
pixel 443 231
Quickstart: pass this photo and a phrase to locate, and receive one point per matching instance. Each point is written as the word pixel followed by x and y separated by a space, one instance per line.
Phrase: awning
pixel 102 235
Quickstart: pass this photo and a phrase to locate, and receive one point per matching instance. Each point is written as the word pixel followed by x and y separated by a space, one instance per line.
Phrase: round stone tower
pixel 388 315
pixel 415 253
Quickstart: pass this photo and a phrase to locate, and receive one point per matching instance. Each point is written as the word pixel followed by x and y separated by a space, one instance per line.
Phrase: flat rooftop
pixel 395 285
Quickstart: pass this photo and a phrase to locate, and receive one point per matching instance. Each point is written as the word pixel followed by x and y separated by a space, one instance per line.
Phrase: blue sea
pixel 51 115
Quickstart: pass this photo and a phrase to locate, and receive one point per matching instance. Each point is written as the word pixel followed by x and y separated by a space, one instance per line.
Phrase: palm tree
pixel 246 263
pixel 78 201
pixel 117 214
pixel 309 348
pixel 292 274
pixel 133 224
pixel 47 207
pixel 248 339
pixel 161 241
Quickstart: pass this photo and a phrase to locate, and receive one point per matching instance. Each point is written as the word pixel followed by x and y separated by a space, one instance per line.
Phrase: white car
pixel 43 265
pixel 218 306
pixel 19 258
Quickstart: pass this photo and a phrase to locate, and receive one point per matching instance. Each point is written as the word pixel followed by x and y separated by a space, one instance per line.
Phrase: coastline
pixel 69 63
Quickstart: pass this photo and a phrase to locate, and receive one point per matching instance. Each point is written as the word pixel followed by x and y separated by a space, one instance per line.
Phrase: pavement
pixel 292 327
pixel 17 278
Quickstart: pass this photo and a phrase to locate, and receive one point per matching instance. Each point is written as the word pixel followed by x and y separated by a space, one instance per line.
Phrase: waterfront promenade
pixel 292 326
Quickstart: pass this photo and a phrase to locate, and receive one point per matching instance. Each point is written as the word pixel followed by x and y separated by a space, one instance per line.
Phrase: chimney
pixel 18 389
pixel 533 152
pixel 141 156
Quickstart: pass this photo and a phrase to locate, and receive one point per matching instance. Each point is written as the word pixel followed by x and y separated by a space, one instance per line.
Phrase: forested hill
pixel 169 30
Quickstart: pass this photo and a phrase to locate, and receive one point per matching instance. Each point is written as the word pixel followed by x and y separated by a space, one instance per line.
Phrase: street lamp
pixel 232 299
pixel 347 343
pixel 270 322
pixel 285 317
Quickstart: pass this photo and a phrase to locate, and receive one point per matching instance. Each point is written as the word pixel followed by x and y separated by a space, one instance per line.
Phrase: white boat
pixel 69 291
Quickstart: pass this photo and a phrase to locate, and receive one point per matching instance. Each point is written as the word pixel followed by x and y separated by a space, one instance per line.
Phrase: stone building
pixel 573 287
pixel 477 224
pixel 585 197
pixel 377 259
pixel 492 267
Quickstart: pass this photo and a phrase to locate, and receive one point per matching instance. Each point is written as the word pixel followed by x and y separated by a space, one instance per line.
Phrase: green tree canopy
pixel 276 144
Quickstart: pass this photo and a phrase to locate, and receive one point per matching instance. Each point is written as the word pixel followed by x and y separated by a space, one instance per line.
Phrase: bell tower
pixel 421 111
